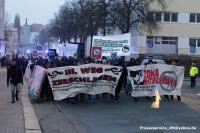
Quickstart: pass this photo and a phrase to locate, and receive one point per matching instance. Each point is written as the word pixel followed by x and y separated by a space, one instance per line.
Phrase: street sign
pixel 97 53
pixel 192 50
pixel 150 44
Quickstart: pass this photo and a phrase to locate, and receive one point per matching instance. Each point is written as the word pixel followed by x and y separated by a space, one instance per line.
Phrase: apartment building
pixel 179 32
pixel 29 37
pixel 2 18
pixel 12 45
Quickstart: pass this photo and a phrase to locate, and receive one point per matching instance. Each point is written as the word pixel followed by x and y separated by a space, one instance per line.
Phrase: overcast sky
pixel 37 11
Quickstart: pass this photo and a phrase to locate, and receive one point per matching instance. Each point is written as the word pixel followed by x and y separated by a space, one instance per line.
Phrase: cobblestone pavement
pixel 11 115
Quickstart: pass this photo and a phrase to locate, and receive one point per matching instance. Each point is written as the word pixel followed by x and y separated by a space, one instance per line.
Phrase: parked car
pixel 155 59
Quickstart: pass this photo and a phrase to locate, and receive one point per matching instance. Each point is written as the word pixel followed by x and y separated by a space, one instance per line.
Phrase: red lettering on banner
pixel 70 71
pixel 91 70
pixel 151 76
pixel 59 82
pixel 84 80
pixel 151 73
pixel 99 70
pixel 65 81
pixel 85 70
pixel 54 83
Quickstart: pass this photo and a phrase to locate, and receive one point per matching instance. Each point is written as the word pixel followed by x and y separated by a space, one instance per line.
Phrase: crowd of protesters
pixel 56 61
pixel 64 61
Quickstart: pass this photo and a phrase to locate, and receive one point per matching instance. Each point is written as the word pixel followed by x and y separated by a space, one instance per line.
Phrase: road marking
pixel 198 94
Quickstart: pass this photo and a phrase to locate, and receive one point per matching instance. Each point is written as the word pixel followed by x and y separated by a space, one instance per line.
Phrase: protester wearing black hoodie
pixel 15 79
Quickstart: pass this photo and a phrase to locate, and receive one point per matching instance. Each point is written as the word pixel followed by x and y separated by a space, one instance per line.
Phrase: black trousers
pixel 118 88
pixel 172 97
pixel 122 81
pixel 193 81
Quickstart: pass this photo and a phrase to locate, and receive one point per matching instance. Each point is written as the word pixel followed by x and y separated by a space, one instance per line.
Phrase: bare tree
pixel 128 13
pixel 43 36
pixel 17 25
pixel 82 18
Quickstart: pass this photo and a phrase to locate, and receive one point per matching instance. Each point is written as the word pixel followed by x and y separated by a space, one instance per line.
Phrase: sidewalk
pixel 20 116
pixel 31 122
pixel 11 115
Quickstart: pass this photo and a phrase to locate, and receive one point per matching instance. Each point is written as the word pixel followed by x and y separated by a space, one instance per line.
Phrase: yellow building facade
pixel 179 29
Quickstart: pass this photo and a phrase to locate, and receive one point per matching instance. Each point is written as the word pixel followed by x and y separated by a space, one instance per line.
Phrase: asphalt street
pixel 127 116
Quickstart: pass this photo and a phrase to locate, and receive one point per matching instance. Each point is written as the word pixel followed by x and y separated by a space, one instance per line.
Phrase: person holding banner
pixel 193 74
pixel 150 62
pixel 131 63
pixel 15 79
pixel 121 79
pixel 173 62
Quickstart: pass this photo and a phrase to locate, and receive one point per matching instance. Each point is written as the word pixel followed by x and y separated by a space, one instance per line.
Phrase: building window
pixel 158 40
pixel 198 43
pixel 198 18
pixel 108 32
pixel 170 17
pixel 174 17
pixel 155 16
pixel 151 15
pixel 194 18
pixel 169 40
pixel 150 37
pixel 162 40
pixel 194 42
pixel 158 16
pixel 167 16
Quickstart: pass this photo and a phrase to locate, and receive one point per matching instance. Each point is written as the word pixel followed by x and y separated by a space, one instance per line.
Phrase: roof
pixel 36 27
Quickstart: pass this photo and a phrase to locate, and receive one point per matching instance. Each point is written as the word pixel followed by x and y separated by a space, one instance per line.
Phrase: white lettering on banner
pixel 91 79
pixel 144 80
pixel 37 80
pixel 117 43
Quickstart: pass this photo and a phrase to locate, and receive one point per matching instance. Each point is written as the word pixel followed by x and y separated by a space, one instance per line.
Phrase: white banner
pixel 117 43
pixel 90 79
pixel 27 74
pixel 144 80
pixel 37 81
pixel 67 49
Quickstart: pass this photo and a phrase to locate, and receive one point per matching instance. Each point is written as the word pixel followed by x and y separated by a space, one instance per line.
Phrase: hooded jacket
pixel 14 75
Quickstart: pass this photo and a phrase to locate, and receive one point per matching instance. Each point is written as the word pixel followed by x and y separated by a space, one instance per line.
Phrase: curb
pixel 30 119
